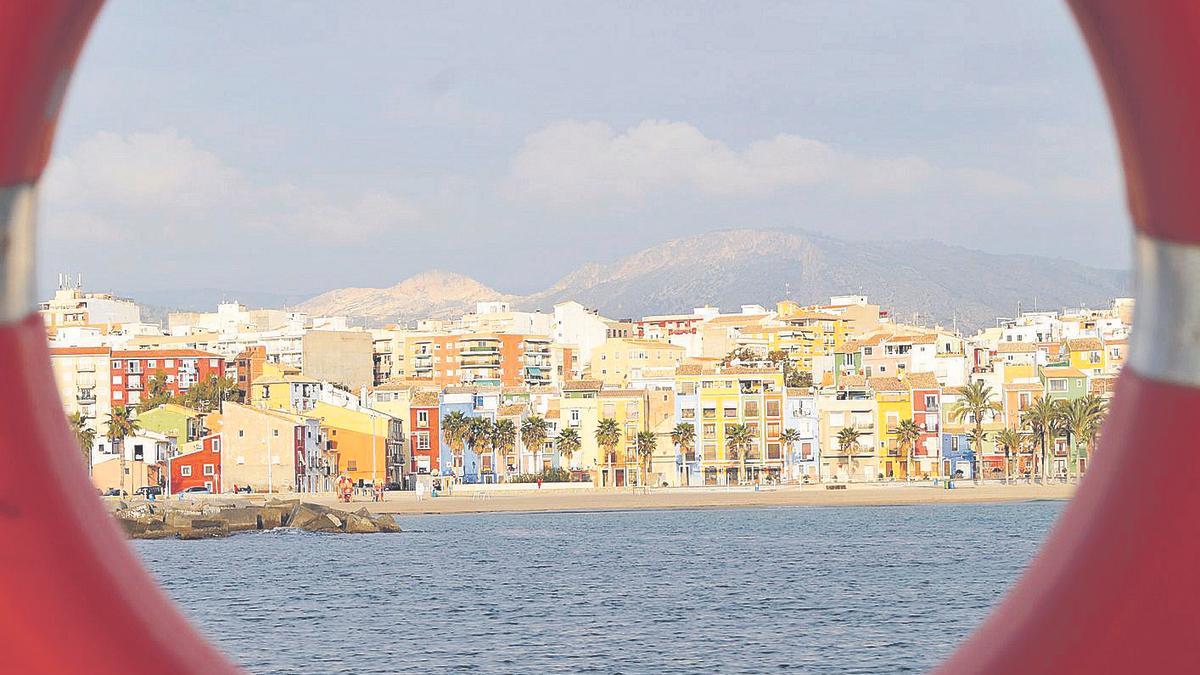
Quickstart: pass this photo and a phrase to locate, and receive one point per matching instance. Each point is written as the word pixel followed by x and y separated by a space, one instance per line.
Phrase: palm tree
pixel 454 428
pixel 683 436
pixel 978 436
pixel 85 436
pixel 480 435
pixel 1100 411
pixel 977 402
pixel 789 438
pixel 1012 441
pixel 645 443
pixel 504 438
pixel 1042 419
pixel 121 425
pixel 533 435
pixel 608 436
pixel 1080 419
pixel 848 443
pixel 737 439
pixel 909 434
pixel 568 443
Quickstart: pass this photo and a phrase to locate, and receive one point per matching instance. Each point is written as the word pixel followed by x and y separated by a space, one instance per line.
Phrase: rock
pixel 357 524
pixel 363 512
pixel 386 523
pixel 304 515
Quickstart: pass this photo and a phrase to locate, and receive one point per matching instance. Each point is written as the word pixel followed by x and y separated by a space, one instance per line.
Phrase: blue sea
pixel 805 589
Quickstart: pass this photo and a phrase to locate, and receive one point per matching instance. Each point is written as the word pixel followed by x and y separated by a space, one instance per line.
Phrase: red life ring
pixel 1114 589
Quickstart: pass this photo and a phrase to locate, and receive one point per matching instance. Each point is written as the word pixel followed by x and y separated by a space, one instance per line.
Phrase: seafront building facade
pixel 804 393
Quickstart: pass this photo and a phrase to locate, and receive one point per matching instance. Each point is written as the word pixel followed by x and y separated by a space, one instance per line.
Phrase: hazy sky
pixel 296 147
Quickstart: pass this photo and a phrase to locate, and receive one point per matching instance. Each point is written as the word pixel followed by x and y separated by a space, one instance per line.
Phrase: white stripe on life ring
pixel 1165 344
pixel 18 214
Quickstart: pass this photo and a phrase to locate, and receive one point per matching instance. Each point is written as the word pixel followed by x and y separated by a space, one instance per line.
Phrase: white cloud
pixel 159 183
pixel 574 162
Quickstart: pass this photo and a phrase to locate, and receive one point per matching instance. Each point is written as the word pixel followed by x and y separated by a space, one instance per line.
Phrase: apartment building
pixel 82 375
pixel 620 361
pixel 130 371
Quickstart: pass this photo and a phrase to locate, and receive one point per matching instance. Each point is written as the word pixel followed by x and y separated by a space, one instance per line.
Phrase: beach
pixel 484 500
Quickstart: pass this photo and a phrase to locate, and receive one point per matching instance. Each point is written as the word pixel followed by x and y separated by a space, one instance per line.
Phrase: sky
pixel 296 147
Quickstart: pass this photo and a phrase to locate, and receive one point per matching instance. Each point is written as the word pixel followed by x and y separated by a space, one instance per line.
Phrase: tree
pixel 85 437
pixel 645 443
pixel 789 438
pixel 454 429
pixel 976 403
pixel 848 443
pixel 978 437
pixel 1042 418
pixel 1080 419
pixel 740 355
pixel 737 439
pixel 533 434
pixel 207 395
pixel 909 434
pixel 1012 441
pixel 568 443
pixel 683 436
pixel 157 392
pixel 797 379
pixel 121 425
pixel 504 438
pixel 608 436
pixel 480 435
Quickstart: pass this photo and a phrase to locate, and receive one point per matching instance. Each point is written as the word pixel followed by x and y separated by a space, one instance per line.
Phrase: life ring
pixel 1115 588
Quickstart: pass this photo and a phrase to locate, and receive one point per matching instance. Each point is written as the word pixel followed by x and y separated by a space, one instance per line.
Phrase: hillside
pixel 733 267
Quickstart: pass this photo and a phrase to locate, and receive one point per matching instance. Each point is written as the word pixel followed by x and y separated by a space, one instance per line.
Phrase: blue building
pixel 957 456
pixel 473 467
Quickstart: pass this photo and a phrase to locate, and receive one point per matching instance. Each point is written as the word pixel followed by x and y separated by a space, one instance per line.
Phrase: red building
pixel 425 428
pixel 182 368
pixel 660 327
pixel 198 468
pixel 246 368
pixel 926 406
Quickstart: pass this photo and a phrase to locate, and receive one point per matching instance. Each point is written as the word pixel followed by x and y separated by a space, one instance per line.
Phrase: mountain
pixel 936 281
pixel 433 294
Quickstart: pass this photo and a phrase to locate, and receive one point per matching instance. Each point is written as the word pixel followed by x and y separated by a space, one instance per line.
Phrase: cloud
pixel 573 162
pixel 161 183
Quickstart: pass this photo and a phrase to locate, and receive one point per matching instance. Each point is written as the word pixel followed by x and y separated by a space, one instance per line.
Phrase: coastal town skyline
pixel 840 390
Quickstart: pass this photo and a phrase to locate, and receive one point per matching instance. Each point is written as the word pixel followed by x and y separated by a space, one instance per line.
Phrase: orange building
pixel 488 359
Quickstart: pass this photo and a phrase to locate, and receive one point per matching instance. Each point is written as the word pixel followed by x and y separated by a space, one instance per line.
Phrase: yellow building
pixel 615 362
pixel 893 404
pixel 714 401
pixel 289 393
pixel 1086 354
pixel 369 445
pixel 805 336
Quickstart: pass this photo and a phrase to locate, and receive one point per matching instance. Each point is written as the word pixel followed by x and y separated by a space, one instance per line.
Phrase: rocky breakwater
pixel 205 520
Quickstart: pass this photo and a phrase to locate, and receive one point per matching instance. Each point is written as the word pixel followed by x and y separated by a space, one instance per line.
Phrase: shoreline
pixel 621 500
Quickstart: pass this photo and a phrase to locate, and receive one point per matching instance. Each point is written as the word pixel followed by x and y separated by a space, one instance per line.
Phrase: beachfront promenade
pixel 485 499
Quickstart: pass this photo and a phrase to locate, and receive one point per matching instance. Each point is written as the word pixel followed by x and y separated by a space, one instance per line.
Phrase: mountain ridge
pixel 728 268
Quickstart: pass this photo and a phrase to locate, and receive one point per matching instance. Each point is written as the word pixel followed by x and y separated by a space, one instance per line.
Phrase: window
pixel 351 465
pixel 423 418
pixel 710 430
pixel 168 363
pixel 730 409
pixel 118 395
pixel 423 440
pixel 210 470
pixel 750 409
pixel 837 419
pixel 772 408
pixel 216 445
pixel 185 471
pixel 116 365
pixel 117 379
pixel 214 363
pixel 241 433
pixel 275 433
pixel 688 413
pixel 867 351
pixel 1058 384
pixel 610 410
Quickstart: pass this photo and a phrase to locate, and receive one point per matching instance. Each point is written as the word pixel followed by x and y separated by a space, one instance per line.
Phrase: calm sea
pixel 838 590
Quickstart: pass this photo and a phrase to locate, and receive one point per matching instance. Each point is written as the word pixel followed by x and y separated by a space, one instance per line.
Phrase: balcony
pixel 85 396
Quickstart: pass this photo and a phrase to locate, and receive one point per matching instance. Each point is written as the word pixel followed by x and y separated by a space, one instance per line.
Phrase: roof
pixel 1103 385
pixel 394 385
pixel 552 414
pixel 852 381
pixel 471 389
pixel 887 384
pixel 511 410
pixel 748 370
pixel 426 399
pixel 924 380
pixel 175 408
pixel 1084 344
pixel 641 342
pixel 1062 372
pixel 582 385
pixel 926 339
pixel 738 318
pixel 1015 347
pixel 164 353
pixel 622 393
pixel 71 351
pixel 689 369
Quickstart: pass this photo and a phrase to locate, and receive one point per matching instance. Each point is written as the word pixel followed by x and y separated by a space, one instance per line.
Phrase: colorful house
pixel 198 468
pixel 1086 354
pixel 368 444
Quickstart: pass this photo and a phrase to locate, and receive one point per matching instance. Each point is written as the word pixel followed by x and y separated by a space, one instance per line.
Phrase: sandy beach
pixel 546 500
